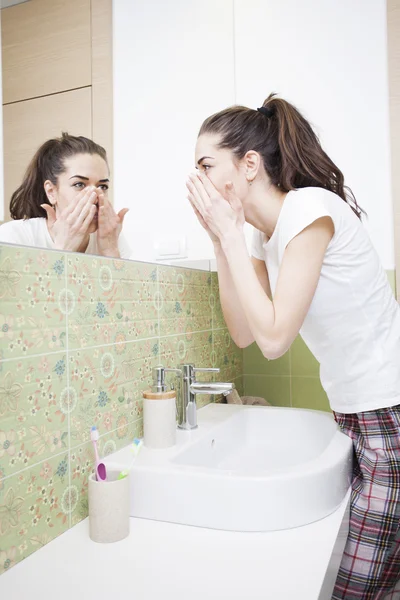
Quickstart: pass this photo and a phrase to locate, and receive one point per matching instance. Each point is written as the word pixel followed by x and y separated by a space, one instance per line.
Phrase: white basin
pixel 246 468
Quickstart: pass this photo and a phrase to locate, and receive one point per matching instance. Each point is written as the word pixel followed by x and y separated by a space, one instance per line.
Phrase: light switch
pixel 167 248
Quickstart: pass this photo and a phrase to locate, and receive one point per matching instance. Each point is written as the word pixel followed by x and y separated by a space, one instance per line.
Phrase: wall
pixel 173 65
pixel 317 55
pixel 393 26
pixel 1 141
pixel 173 71
pixel 79 336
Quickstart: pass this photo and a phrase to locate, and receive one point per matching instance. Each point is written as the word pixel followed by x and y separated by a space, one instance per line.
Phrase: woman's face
pixel 220 165
pixel 81 171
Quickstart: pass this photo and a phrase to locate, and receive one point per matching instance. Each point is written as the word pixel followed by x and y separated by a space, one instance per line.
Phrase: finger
pixel 88 198
pixel 196 212
pixel 89 217
pixel 197 199
pixel 232 197
pixel 202 192
pixel 122 214
pixel 51 214
pixel 80 214
pixel 208 184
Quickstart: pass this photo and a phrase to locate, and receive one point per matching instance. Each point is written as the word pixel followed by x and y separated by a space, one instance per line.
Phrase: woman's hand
pixel 109 227
pixel 69 228
pixel 219 215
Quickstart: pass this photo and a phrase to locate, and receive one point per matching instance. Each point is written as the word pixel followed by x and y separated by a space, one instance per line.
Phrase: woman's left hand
pixel 223 215
pixel 109 227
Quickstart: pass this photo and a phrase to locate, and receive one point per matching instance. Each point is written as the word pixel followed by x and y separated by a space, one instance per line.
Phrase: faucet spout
pixel 190 388
pixel 212 388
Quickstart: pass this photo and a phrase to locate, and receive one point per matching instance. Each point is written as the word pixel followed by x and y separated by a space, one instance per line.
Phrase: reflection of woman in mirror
pixel 63 202
pixel 313 271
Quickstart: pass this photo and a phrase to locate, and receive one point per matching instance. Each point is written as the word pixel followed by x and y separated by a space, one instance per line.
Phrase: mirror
pixel 140 76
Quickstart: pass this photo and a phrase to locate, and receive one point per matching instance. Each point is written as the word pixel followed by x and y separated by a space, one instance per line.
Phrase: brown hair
pixel 290 149
pixel 47 164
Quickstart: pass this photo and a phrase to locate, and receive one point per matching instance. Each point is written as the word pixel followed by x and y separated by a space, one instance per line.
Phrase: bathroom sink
pixel 246 468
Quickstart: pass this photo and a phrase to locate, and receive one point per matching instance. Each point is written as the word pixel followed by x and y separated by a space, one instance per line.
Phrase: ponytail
pixel 291 151
pixel 47 164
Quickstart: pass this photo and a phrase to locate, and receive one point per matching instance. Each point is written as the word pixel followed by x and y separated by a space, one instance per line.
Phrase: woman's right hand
pixel 69 228
pixel 213 237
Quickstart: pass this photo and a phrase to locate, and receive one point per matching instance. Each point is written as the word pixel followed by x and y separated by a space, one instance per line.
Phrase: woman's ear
pixel 252 162
pixel 51 192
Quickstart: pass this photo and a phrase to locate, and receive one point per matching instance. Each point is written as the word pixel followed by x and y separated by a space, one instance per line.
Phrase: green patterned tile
pixel 108 386
pixel 254 363
pixel 183 300
pixel 226 356
pixel 391 275
pixel 307 392
pixel 111 301
pixel 34 509
pixel 33 413
pixel 195 348
pixel 32 301
pixel 276 390
pixel 303 363
pixel 218 320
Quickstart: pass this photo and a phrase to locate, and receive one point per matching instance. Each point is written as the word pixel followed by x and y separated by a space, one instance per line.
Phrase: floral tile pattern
pixel 34 509
pixel 79 337
pixel 227 356
pixel 107 384
pixel 183 300
pixel 110 301
pixel 33 410
pixel 32 301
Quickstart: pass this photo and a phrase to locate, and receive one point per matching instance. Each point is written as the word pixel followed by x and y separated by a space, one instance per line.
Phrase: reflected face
pixel 220 165
pixel 81 171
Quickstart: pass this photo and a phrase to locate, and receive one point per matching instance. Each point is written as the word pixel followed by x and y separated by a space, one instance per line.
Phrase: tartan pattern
pixel 370 568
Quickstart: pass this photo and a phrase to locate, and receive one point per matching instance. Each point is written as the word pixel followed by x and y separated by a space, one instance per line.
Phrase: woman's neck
pixel 263 206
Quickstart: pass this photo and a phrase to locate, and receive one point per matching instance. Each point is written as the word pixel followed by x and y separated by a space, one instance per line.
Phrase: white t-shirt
pixel 34 232
pixel 353 324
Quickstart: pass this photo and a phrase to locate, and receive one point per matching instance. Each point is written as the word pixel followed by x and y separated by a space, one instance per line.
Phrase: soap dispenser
pixel 159 412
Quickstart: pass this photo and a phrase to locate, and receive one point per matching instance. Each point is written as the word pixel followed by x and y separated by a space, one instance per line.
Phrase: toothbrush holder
pixel 109 508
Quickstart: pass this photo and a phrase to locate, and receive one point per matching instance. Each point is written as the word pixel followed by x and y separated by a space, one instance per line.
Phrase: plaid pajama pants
pixel 370 568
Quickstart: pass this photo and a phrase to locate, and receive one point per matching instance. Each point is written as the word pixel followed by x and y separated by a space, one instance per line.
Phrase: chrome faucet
pixel 191 387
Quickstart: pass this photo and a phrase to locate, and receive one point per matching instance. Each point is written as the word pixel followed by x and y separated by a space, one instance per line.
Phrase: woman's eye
pixel 206 167
pixel 103 187
pixel 79 185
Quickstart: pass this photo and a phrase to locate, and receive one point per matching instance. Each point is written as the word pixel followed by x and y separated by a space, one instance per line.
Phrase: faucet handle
pixel 206 370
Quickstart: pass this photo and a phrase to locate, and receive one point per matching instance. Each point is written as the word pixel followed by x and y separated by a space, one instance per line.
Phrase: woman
pixel 63 202
pixel 266 167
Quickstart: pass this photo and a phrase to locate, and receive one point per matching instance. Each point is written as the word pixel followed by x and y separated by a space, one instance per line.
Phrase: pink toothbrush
pixel 101 474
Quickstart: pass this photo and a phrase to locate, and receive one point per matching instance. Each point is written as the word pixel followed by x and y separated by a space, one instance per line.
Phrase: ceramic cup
pixel 109 508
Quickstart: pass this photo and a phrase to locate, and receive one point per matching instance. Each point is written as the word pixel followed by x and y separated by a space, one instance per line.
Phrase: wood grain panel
pixel 46 48
pixel 30 123
pixel 102 81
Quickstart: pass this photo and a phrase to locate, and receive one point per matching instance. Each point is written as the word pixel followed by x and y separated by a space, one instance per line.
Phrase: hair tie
pixel 267 112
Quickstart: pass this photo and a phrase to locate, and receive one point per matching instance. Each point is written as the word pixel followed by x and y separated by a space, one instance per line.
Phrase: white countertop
pixel 162 561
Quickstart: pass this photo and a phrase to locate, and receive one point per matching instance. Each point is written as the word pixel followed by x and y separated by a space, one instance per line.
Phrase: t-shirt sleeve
pixel 16 232
pixel 125 250
pixel 302 212
pixel 257 249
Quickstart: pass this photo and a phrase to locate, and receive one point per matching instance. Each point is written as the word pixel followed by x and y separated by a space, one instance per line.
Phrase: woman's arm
pixel 276 324
pixel 234 315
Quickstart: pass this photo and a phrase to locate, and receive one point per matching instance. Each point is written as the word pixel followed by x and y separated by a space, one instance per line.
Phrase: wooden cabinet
pixel 46 48
pixel 30 123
